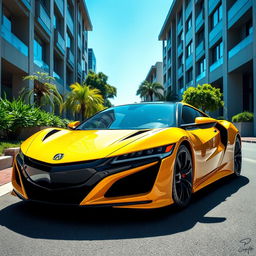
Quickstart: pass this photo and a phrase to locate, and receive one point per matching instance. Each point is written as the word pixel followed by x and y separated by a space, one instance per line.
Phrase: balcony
pixel 201 76
pixel 238 9
pixel 179 27
pixel 200 50
pixel 215 34
pixel 27 3
pixel 240 46
pixel 169 43
pixel 189 84
pixel 41 64
pixel 180 71
pixel 199 20
pixel 169 62
pixel 164 51
pixel 188 9
pixel 189 61
pixel 43 17
pixel 60 5
pixel 70 57
pixel 58 78
pixel 14 40
pixel 59 41
pixel 180 49
pixel 216 64
pixel 212 5
pixel 70 22
pixel 189 36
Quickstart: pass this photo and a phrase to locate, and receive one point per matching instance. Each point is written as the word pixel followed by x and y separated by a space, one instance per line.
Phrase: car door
pixel 206 142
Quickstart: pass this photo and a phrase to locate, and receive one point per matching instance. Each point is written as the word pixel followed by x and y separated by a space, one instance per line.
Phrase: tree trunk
pixel 83 110
pixel 151 96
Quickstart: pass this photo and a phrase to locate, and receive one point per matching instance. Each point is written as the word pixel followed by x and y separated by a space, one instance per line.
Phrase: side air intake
pixel 135 134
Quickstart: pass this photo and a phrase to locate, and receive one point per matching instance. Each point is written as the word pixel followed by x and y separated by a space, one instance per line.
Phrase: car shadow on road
pixel 62 223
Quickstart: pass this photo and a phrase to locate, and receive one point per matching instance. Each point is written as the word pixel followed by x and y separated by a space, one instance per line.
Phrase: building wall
pixel 50 23
pixel 212 41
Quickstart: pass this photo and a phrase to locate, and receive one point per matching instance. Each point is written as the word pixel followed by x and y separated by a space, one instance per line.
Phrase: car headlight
pixel 160 152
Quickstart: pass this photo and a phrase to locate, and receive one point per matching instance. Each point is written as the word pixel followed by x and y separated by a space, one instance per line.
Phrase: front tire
pixel 182 179
pixel 237 158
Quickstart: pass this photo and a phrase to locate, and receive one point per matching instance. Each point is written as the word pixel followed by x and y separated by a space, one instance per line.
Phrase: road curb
pixel 248 141
pixel 5 189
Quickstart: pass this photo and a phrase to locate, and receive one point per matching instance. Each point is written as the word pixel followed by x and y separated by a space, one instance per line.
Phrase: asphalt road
pixel 221 220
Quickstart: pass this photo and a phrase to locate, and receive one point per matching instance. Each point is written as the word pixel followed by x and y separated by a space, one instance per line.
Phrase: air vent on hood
pixel 135 134
pixel 50 134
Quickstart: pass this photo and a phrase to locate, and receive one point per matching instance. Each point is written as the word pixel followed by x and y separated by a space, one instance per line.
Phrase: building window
pixel 187 3
pixel 189 49
pixel 181 83
pixel 39 50
pixel 201 66
pixel 216 16
pixel 217 52
pixel 180 17
pixel 189 75
pixel 200 36
pixel 180 61
pixel 180 38
pixel 189 24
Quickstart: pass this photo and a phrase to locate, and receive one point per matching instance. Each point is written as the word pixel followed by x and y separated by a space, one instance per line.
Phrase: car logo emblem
pixel 58 156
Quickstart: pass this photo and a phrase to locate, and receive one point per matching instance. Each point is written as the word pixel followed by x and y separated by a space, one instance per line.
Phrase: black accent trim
pixel 135 134
pixel 194 126
pixel 50 134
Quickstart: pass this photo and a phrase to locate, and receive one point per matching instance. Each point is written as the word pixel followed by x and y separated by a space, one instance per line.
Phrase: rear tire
pixel 182 177
pixel 237 158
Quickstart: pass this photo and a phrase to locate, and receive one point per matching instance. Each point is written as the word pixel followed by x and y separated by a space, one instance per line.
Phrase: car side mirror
pixel 73 125
pixel 204 120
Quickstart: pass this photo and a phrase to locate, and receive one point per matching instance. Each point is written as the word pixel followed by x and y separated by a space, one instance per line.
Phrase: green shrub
pixel 15 115
pixel 243 117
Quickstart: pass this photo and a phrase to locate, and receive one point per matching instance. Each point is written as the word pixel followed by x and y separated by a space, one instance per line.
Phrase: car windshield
pixel 136 116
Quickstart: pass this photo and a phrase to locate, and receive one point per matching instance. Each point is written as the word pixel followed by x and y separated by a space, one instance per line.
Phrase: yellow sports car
pixel 145 155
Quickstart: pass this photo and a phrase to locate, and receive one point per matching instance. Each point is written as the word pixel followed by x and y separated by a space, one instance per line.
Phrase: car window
pixel 189 115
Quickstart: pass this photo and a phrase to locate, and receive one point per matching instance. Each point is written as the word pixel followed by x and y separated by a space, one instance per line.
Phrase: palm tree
pixel 44 91
pixel 147 89
pixel 85 100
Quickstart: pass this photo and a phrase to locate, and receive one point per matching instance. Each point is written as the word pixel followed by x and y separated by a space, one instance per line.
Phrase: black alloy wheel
pixel 237 158
pixel 183 175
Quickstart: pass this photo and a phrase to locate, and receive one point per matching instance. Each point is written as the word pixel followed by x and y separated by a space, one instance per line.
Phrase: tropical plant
pixel 84 99
pixel 243 117
pixel 170 95
pixel 205 97
pixel 100 81
pixel 149 90
pixel 45 91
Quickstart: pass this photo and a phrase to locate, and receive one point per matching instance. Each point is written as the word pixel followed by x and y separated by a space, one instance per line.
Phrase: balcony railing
pixel 70 22
pixel 79 68
pixel 180 49
pixel 71 59
pixel 42 15
pixel 79 42
pixel 60 42
pixel 60 4
pixel 201 76
pixel 189 60
pixel 27 3
pixel 238 9
pixel 14 40
pixel 188 9
pixel 199 20
pixel 240 46
pixel 41 64
pixel 200 49
pixel 58 78
pixel 216 64
pixel 179 26
pixel 216 32
pixel 169 62
pixel 164 51
pixel 180 71
pixel 212 5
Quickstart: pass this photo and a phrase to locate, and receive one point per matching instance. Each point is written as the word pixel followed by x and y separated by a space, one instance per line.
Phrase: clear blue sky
pixel 125 41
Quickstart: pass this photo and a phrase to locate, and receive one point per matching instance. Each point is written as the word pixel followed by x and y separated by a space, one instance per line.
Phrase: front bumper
pixel 138 185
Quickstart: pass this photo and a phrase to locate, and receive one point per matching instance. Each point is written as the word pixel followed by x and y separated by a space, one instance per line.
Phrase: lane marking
pixel 6 188
pixel 249 160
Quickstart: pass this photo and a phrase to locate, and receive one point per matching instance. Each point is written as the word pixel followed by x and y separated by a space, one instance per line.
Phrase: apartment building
pixel 212 41
pixel 91 60
pixel 155 75
pixel 43 35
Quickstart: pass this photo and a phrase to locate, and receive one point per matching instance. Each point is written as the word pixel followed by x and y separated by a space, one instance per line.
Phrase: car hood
pixel 82 145
pixel 77 145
